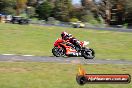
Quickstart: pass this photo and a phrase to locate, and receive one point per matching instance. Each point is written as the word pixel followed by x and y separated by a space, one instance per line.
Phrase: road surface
pixel 76 60
pixel 94 28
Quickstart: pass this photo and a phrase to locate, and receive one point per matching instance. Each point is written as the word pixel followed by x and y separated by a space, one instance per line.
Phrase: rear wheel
pixel 88 53
pixel 58 52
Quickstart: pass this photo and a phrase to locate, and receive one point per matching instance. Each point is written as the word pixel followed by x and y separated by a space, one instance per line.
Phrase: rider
pixel 69 38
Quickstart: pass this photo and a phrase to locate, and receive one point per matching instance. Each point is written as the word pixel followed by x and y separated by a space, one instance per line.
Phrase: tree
pixel 77 12
pixel 44 10
pixel 20 6
pixel 62 10
pixel 31 2
pixel 112 11
pixel 7 6
pixel 30 11
pixel 128 9
pixel 90 7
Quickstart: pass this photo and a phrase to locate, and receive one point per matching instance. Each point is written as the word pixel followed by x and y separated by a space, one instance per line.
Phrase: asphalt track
pixel 66 60
pixel 110 29
pixel 94 28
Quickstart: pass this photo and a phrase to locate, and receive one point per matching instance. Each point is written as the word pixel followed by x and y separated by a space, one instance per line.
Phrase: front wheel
pixel 88 53
pixel 58 52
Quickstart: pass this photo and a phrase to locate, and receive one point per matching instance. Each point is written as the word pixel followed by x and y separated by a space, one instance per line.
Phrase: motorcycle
pixel 63 48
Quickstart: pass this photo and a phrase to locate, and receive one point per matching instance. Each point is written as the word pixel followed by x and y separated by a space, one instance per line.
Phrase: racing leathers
pixel 74 42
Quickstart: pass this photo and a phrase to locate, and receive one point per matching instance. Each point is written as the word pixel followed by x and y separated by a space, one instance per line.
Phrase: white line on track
pixel 108 59
pixel 16 54
pixel 93 63
pixel 8 54
pixel 27 55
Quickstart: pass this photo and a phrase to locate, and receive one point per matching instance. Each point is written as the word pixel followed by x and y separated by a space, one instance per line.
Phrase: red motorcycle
pixel 63 48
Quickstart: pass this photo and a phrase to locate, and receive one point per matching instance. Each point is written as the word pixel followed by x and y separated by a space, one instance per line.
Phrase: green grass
pixel 54 75
pixel 38 40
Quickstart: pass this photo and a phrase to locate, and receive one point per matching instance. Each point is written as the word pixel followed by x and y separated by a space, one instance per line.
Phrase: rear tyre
pixel 88 53
pixel 58 52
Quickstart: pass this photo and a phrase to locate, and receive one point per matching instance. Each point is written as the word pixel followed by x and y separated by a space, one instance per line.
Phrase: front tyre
pixel 88 53
pixel 58 52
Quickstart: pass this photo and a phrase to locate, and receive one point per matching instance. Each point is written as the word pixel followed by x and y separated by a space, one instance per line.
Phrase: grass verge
pixel 38 40
pixel 54 75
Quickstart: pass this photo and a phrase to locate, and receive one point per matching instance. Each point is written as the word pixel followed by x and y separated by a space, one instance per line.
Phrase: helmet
pixel 64 34
pixel 69 35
